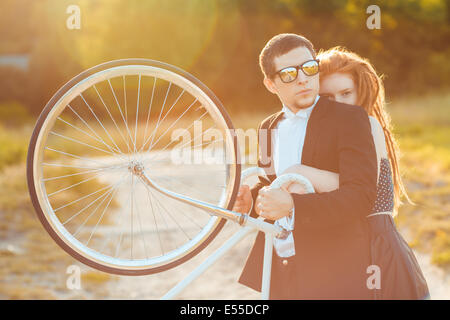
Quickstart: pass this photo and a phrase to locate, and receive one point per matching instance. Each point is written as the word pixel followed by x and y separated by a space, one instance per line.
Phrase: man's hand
pixel 274 204
pixel 244 200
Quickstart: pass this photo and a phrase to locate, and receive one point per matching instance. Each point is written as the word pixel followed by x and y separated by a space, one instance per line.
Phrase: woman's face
pixel 339 87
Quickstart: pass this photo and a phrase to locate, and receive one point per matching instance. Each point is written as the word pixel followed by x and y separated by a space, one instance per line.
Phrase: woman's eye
pixel 347 93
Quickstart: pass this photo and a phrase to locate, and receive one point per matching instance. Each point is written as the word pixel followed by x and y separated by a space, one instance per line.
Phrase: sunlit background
pixel 218 41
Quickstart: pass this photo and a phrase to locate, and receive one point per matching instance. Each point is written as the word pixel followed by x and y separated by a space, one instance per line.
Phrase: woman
pixel 348 78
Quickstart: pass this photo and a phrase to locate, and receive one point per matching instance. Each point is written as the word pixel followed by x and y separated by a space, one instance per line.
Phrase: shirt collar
pixel 302 113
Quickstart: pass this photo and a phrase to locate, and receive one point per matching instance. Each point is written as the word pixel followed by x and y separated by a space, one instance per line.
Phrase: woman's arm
pixel 379 141
pixel 325 181
pixel 322 180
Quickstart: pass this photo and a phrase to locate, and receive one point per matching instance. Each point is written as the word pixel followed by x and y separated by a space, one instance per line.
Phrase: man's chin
pixel 305 102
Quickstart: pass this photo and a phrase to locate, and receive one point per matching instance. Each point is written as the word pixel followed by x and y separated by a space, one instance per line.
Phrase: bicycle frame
pixel 267 266
pixel 249 225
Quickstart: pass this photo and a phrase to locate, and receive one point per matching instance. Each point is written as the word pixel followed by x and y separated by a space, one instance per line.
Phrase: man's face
pixel 300 93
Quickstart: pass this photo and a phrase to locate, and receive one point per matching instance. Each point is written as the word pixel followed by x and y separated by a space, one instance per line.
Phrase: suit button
pixel 285 262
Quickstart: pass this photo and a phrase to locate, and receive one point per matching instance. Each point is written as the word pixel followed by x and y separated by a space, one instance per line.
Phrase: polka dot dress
pixel 401 276
pixel 385 189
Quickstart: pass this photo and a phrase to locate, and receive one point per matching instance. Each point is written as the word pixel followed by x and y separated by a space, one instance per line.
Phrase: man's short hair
pixel 279 45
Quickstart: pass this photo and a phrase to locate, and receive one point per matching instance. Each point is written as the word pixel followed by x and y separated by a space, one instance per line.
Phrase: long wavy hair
pixel 371 96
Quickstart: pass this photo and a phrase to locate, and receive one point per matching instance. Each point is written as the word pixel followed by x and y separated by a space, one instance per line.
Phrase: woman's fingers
pixel 296 188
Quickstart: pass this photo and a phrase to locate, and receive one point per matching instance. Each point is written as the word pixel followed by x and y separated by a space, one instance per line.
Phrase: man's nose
pixel 302 78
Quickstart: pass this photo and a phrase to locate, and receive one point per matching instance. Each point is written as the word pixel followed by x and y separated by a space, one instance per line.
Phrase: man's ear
pixel 270 85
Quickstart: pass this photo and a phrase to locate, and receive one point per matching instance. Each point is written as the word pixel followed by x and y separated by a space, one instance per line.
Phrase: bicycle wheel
pixel 92 134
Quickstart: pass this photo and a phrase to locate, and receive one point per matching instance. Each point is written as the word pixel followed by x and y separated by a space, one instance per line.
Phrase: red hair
pixel 371 96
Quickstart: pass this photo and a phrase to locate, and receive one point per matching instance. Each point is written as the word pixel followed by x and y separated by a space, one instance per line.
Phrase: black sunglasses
pixel 289 74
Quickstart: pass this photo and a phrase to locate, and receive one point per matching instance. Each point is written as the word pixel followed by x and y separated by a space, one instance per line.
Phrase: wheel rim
pixel 135 155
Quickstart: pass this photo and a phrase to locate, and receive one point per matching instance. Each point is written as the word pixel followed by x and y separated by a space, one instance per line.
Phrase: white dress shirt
pixel 287 141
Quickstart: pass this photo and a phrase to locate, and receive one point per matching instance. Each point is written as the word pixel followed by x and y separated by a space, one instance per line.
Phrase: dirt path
pixel 438 280
pixel 220 281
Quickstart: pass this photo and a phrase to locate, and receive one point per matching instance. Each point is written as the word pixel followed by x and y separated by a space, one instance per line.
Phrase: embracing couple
pixel 333 130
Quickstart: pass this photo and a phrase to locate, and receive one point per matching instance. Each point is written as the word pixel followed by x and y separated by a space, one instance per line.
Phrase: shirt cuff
pixel 291 218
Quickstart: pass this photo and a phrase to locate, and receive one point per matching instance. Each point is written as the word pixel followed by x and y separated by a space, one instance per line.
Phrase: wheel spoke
pixel 82 198
pixel 79 167
pixel 167 145
pixel 160 113
pixel 154 219
pixel 174 220
pixel 77 184
pixel 137 114
pixel 98 120
pixel 103 213
pixel 73 155
pixel 79 142
pixel 89 135
pixel 71 175
pixel 174 123
pixel 148 115
pixel 125 99
pixel 92 130
pixel 87 206
pixel 152 144
pixel 122 216
pixel 142 233
pixel 120 110
pixel 131 215
pixel 112 118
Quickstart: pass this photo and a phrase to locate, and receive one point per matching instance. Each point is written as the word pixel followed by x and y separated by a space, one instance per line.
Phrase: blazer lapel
pixel 271 124
pixel 313 131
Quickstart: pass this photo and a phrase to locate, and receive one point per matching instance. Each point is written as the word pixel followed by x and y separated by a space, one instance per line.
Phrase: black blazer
pixel 330 229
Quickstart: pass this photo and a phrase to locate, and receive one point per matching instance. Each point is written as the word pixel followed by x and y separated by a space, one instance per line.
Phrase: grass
pixel 422 126
pixel 14 145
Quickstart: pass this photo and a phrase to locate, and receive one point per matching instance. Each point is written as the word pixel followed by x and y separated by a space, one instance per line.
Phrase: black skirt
pixel 400 275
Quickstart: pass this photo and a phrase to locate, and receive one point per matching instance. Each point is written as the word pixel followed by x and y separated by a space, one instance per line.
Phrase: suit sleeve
pixel 356 194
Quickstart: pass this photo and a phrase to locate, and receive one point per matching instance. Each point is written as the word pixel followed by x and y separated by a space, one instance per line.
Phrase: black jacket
pixel 330 230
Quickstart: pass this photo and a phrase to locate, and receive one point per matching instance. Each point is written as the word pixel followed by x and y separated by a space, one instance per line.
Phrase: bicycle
pixel 100 153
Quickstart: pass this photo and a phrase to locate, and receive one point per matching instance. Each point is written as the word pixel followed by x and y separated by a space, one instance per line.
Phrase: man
pixel 330 231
